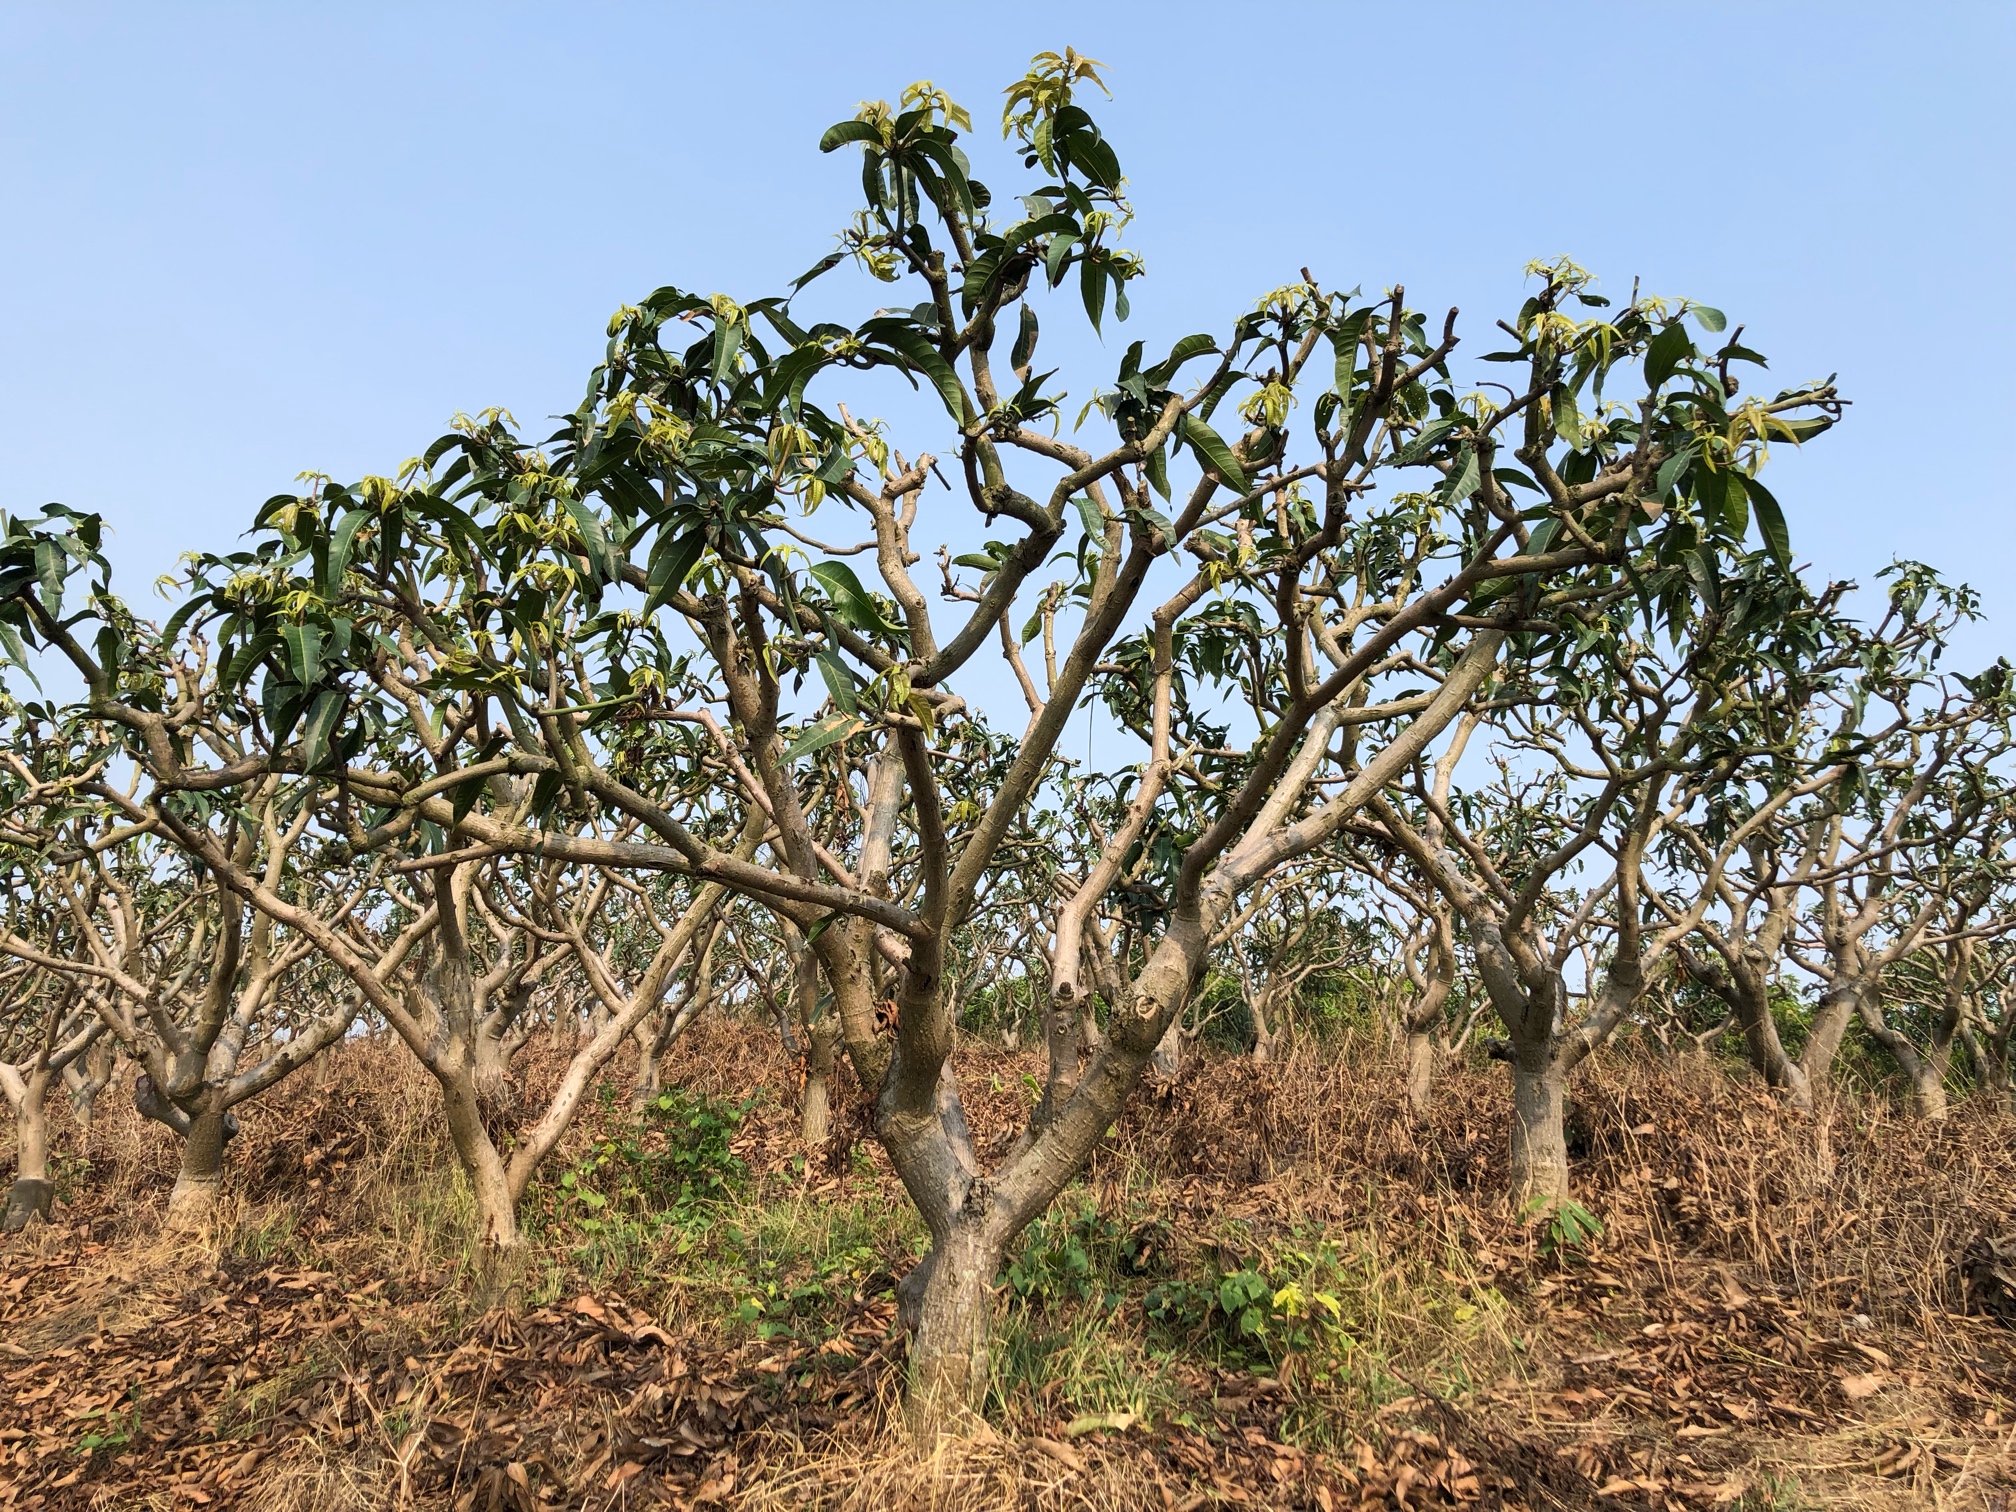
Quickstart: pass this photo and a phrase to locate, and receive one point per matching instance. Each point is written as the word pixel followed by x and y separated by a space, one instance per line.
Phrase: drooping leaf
pixel 1770 522
pixel 850 600
pixel 1213 455
pixel 323 713
pixel 828 731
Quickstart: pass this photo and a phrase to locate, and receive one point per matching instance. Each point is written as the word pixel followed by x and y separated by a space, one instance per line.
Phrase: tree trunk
pixel 646 1083
pixel 1830 1024
pixel 193 1202
pixel 1168 1058
pixel 1928 1090
pixel 950 1354
pixel 1263 1033
pixel 496 1211
pixel 32 1196
pixel 1750 1000
pixel 815 1122
pixel 1539 1142
pixel 1420 1069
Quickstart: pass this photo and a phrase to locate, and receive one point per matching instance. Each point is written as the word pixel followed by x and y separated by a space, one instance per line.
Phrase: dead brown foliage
pixel 1781 1312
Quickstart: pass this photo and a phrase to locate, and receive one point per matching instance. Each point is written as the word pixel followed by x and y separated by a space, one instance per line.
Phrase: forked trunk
pixel 1420 1069
pixel 193 1202
pixel 1539 1140
pixel 32 1196
pixel 1168 1058
pixel 950 1354
pixel 1750 1001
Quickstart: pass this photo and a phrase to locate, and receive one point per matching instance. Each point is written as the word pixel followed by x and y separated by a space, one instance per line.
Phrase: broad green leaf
pixel 1463 477
pixel 1711 319
pixel 50 572
pixel 341 539
pixel 1770 522
pixel 849 131
pixel 1025 340
pixel 322 716
pixel 828 731
pixel 1213 455
pixel 839 681
pixel 304 652
pixel 850 600
pixel 1666 352
pixel 670 564
pixel 1160 375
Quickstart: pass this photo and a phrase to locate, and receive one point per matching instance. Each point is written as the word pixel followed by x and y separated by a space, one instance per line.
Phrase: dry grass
pixel 1775 1316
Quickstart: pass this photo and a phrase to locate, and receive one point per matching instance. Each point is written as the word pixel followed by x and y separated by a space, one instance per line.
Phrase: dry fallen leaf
pixel 1064 1454
pixel 1856 1387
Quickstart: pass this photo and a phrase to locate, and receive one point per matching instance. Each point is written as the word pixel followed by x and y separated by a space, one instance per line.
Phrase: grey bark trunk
pixel 1830 1025
pixel 815 1121
pixel 949 1354
pixel 1263 1032
pixel 1539 1140
pixel 32 1196
pixel 1420 1069
pixel 1168 1058
pixel 496 1211
pixel 193 1202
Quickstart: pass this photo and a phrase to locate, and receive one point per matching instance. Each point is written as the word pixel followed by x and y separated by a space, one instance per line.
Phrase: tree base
pixel 27 1200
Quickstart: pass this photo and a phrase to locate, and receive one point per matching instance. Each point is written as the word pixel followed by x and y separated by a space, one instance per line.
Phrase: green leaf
pixel 1025 341
pixel 1424 442
pixel 322 716
pixel 601 555
pixel 728 336
pixel 1668 349
pixel 1055 256
pixel 849 131
pixel 1213 455
pixel 839 681
pixel 304 652
pixel 1770 522
pixel 50 571
pixel 670 565
pixel 1567 418
pixel 1711 319
pixel 1463 477
pixel 917 352
pixel 1157 465
pixel 1091 517
pixel 850 600
pixel 1092 289
pixel 828 731
pixel 1189 347
pixel 341 539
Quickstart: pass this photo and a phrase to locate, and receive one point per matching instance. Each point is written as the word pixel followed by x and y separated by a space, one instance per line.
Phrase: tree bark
pixel 1168 1058
pixel 815 1123
pixel 1263 1032
pixel 950 1353
pixel 1420 1069
pixel 1830 1025
pixel 193 1202
pixel 1539 1141
pixel 489 1183
pixel 32 1196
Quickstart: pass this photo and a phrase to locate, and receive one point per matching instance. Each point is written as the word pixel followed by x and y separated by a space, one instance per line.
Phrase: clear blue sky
pixel 244 241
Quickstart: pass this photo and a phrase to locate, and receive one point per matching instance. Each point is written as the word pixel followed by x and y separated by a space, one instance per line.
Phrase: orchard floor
pixel 1274 1288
